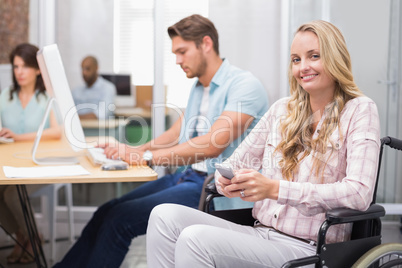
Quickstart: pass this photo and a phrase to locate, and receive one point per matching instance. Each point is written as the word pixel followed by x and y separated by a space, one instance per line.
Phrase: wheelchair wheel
pixel 382 256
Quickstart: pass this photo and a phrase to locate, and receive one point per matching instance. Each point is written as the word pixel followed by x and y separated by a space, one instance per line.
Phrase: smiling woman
pixel 309 71
pixel 303 158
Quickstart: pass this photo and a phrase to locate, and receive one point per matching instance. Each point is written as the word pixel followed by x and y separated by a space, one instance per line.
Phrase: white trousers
pixel 178 236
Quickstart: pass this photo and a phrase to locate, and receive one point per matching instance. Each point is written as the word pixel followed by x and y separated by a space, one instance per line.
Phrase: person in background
pixel 317 150
pixel 22 107
pixel 95 99
pixel 225 103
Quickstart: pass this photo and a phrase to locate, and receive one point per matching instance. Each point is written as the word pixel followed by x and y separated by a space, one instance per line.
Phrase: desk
pixel 19 154
pixel 132 112
pixel 130 128
pixel 9 154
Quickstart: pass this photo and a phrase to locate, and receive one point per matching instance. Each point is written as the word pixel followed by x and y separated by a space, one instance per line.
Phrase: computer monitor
pixel 57 87
pixel 124 88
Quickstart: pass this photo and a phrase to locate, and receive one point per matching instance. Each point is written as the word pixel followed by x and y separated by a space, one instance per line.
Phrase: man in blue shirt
pixel 224 105
pixel 93 99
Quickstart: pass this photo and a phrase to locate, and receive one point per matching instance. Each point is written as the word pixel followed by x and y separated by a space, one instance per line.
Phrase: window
pixel 134 43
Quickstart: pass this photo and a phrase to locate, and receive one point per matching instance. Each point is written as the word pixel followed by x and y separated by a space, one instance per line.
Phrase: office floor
pixel 137 260
pixel 391 233
pixel 86 197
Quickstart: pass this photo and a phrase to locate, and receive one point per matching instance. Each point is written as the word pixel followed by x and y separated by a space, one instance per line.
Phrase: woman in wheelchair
pixel 311 152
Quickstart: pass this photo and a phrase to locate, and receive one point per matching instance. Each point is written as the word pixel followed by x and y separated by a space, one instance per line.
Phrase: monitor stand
pixel 49 160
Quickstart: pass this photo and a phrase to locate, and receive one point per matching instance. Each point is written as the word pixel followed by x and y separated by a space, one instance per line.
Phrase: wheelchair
pixel 364 249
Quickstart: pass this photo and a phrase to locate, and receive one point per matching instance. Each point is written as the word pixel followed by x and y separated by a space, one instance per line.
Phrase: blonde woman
pixel 317 150
pixel 22 107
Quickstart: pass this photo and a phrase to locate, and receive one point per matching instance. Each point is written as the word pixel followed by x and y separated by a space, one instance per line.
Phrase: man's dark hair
pixel 194 28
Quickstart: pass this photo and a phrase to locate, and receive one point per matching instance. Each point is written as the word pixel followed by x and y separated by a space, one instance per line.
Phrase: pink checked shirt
pixel 349 175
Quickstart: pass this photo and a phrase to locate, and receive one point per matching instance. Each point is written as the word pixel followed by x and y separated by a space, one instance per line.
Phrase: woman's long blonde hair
pixel 296 129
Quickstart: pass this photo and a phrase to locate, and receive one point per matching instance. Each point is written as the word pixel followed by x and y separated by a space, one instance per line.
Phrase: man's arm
pixel 228 127
pixel 167 139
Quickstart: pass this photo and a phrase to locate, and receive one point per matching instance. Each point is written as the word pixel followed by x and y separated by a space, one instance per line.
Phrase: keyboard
pixel 97 157
pixel 6 140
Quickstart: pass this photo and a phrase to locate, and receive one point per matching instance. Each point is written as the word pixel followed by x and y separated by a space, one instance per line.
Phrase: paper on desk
pixel 48 171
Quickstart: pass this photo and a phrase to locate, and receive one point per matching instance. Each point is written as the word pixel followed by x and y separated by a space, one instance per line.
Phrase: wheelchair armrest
pixel 345 215
pixel 211 193
pixel 335 216
pixel 210 188
pixel 204 193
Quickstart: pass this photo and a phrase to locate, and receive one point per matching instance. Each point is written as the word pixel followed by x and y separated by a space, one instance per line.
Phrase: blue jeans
pixel 105 240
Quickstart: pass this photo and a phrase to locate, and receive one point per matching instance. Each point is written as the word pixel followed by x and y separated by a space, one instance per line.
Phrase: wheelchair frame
pixel 365 237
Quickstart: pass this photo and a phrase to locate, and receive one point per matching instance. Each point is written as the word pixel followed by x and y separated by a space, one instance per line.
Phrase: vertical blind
pixel 134 43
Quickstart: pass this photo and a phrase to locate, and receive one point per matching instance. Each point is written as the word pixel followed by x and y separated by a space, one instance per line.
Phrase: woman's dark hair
pixel 194 28
pixel 28 54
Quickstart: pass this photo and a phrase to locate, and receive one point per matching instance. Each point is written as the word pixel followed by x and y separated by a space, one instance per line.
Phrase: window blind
pixel 134 43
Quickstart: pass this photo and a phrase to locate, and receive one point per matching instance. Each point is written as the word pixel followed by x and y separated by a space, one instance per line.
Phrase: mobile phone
pixel 115 166
pixel 225 171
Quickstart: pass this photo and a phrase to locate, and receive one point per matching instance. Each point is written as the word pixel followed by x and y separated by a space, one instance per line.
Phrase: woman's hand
pixel 7 133
pixel 222 183
pixel 250 185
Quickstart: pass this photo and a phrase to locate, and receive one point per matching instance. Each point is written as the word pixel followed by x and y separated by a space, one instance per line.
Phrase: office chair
pixel 365 238
pixel 51 192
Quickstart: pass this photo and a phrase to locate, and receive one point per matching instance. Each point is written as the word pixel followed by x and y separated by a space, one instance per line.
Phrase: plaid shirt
pixel 348 178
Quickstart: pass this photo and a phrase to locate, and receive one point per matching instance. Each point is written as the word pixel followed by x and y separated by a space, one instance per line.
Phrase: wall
pixel 245 27
pixel 5 69
pixel 5 76
pixel 250 38
pixel 374 48
pixel 84 28
pixel 367 40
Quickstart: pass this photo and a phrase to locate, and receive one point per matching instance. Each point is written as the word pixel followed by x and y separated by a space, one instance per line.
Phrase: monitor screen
pixel 121 81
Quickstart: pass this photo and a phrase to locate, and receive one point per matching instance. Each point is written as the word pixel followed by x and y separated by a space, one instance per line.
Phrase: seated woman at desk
pixel 22 107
